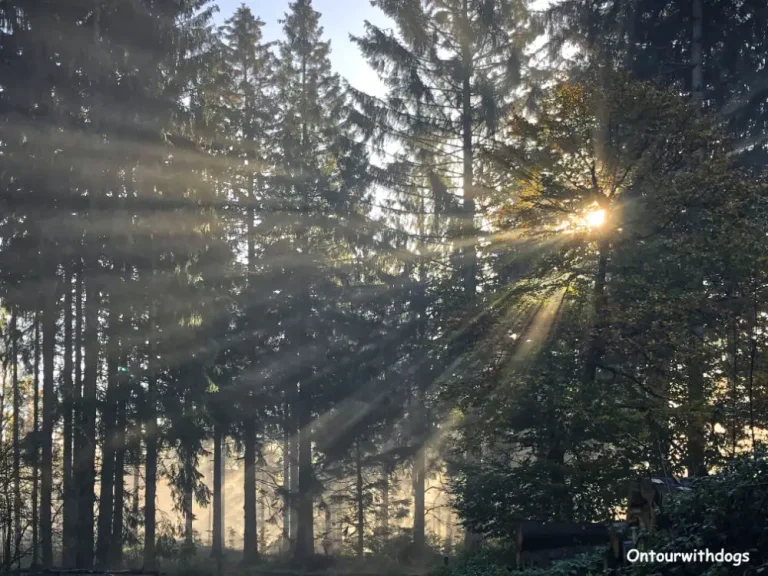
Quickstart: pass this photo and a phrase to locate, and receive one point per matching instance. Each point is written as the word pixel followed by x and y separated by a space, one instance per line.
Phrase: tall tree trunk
pixel 250 543
pixel 87 459
pixel 36 447
pixel 293 499
pixel 151 432
pixel 385 502
pixel 696 433
pixel 596 344
pixel 106 491
pixel 359 500
pixel 328 530
pixel 696 437
pixel 121 423
pixel 217 546
pixel 49 400
pixel 188 471
pixel 78 440
pixel 262 515
pixel 468 184
pixel 70 503
pixel 286 486
pixel 16 437
pixel 472 541
pixel 136 505
pixel 250 534
pixel 305 534
pixel 419 417
pixel 419 477
pixel 116 546
pixel 87 474
pixel 752 358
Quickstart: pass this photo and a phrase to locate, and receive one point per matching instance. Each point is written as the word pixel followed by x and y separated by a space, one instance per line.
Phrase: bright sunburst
pixel 595 218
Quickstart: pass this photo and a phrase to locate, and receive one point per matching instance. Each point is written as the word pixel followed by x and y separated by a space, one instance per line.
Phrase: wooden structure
pixel 648 497
pixel 541 544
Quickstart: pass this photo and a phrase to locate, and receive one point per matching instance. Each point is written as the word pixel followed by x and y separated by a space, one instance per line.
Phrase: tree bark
pixel 359 500
pixel 188 470
pixel 468 184
pixel 286 487
pixel 596 345
pixel 385 502
pixel 106 491
pixel 696 433
pixel 250 533
pixel 305 534
pixel 36 447
pixel 293 499
pixel 49 400
pixel 151 432
pixel 419 474
pixel 217 547
pixel 121 423
pixel 16 438
pixel 136 505
pixel 116 546
pixel 261 504
pixel 78 439
pixel 69 507
pixel 87 476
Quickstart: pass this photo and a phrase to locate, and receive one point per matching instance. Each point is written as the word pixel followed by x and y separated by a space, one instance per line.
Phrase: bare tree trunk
pixel 136 506
pixel 188 470
pixel 696 433
pixel 70 503
pixel 77 436
pixel 250 534
pixel 116 546
pixel 359 500
pixel 294 492
pixel 472 541
pixel 752 358
pixel 106 491
pixel 305 534
pixel 49 401
pixel 262 507
pixel 217 548
pixel 419 469
pixel 385 502
pixel 15 433
pixel 151 431
pixel 328 530
pixel 596 345
pixel 36 447
pixel 87 462
pixel 286 544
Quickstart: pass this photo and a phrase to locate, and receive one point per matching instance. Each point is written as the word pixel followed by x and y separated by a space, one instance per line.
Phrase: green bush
pixel 725 511
pixel 497 562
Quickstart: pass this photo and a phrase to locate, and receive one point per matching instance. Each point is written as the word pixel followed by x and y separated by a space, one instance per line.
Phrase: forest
pixel 254 316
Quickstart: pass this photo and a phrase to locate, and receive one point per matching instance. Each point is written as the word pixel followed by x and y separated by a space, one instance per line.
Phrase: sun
pixel 595 218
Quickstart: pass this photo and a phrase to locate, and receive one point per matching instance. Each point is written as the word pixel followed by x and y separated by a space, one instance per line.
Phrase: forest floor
pixel 202 563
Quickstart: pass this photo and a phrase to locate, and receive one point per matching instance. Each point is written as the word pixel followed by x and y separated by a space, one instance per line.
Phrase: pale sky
pixel 339 18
